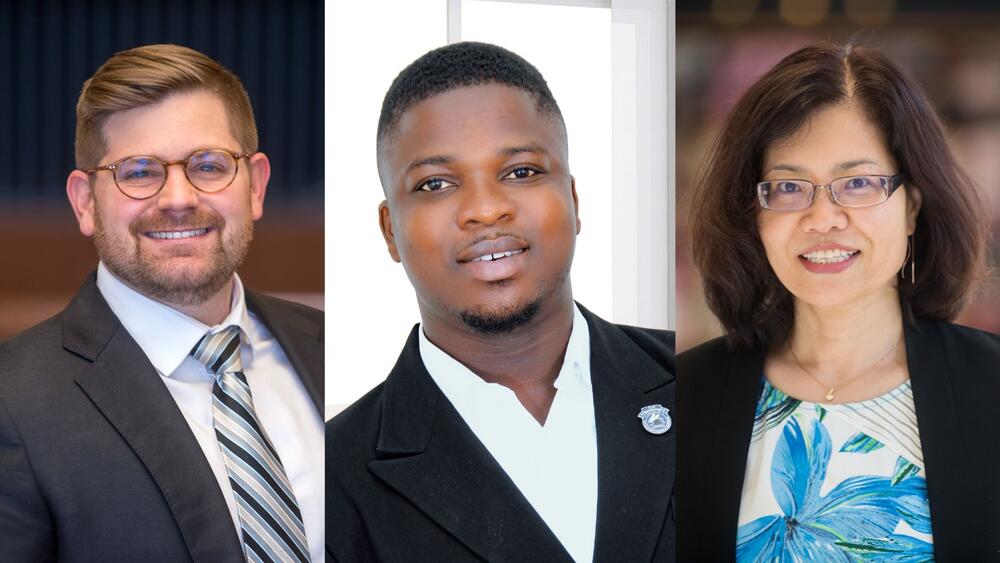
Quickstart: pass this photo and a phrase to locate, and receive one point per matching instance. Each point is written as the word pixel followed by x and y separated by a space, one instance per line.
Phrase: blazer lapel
pixel 300 338
pixel 124 386
pixel 941 439
pixel 744 383
pixel 635 468
pixel 429 455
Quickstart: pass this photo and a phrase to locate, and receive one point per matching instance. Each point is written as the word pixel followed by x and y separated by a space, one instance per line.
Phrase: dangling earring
pixel 911 255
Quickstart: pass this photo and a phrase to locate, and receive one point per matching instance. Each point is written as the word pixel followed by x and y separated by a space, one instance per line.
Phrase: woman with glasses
pixel 842 417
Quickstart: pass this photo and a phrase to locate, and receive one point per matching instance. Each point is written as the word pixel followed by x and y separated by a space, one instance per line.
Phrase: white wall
pixel 369 302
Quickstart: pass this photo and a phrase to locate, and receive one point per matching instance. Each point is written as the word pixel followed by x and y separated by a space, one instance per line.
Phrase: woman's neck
pixel 850 352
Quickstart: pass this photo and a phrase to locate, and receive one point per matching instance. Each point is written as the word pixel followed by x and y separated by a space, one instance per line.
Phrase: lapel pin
pixel 655 419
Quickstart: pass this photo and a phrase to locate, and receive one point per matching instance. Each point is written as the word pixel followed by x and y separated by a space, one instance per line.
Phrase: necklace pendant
pixel 829 395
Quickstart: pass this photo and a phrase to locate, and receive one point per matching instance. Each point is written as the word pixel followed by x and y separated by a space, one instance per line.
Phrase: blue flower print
pixel 897 549
pixel 772 409
pixel 853 521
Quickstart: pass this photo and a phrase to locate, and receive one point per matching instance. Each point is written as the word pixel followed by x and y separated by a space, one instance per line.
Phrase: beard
pixel 501 321
pixel 154 276
pixel 505 319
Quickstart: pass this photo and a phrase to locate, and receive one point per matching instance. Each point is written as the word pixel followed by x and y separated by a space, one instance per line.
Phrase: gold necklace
pixel 830 394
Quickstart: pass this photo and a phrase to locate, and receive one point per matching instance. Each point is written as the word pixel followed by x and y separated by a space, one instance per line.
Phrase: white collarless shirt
pixel 555 465
pixel 284 408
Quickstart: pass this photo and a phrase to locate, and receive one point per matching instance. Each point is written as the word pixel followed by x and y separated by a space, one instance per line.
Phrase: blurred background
pixel 49 47
pixel 951 48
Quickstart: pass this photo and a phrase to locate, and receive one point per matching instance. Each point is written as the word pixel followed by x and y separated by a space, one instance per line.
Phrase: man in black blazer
pixel 136 425
pixel 516 425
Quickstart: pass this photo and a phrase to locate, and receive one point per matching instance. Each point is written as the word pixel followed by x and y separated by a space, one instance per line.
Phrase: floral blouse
pixel 835 482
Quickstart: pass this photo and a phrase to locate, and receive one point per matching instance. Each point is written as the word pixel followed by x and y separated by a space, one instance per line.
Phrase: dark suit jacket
pixel 96 461
pixel 407 480
pixel 955 374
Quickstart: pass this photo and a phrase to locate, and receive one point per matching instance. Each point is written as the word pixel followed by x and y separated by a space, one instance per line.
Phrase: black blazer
pixel 407 480
pixel 955 374
pixel 96 461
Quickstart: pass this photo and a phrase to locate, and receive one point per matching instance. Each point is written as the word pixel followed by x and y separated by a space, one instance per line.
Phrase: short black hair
pixel 460 65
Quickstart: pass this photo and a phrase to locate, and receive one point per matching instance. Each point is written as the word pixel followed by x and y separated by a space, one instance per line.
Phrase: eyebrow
pixel 852 163
pixel 505 152
pixel 430 161
pixel 846 165
pixel 533 148
pixel 785 167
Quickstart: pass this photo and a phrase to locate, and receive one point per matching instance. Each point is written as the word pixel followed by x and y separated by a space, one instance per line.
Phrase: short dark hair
pixel 740 286
pixel 456 66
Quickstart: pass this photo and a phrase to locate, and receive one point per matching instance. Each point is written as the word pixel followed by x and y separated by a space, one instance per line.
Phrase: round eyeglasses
pixel 142 177
pixel 850 191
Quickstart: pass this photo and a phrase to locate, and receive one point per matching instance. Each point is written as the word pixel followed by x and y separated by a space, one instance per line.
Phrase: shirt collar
pixel 165 334
pixel 455 379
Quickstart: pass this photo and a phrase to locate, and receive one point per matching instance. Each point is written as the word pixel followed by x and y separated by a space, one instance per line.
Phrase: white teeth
pixel 496 256
pixel 829 256
pixel 177 234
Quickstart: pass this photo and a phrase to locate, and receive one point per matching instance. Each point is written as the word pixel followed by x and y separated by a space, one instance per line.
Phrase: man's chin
pixel 503 319
pixel 184 286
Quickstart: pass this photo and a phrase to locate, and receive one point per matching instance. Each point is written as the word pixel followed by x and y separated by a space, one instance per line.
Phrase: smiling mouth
pixel 173 235
pixel 828 256
pixel 497 256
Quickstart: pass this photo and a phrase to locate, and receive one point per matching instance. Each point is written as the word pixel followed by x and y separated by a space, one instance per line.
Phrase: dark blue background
pixel 49 47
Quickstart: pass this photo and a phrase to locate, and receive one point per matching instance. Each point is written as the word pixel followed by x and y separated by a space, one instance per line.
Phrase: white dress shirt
pixel 555 465
pixel 284 408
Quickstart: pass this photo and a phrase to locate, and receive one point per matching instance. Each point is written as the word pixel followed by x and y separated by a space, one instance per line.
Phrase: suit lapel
pixel 124 386
pixel 428 454
pixel 744 383
pixel 941 438
pixel 635 467
pixel 300 339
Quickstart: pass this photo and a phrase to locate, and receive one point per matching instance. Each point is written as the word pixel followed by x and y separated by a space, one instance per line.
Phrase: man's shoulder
pixel 351 436
pixel 34 349
pixel 268 304
pixel 37 370
pixel 42 334
pixel 361 414
pixel 657 343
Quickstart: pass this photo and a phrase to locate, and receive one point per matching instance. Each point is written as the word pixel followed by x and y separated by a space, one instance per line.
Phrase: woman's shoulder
pixel 703 357
pixel 962 342
pixel 967 358
pixel 968 337
pixel 705 370
pixel 719 353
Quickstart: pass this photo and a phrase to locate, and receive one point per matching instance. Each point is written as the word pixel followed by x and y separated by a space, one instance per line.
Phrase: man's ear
pixel 385 223
pixel 260 173
pixel 576 203
pixel 81 197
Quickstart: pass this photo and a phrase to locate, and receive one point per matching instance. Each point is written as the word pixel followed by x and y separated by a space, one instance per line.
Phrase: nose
pixel 177 193
pixel 485 202
pixel 824 215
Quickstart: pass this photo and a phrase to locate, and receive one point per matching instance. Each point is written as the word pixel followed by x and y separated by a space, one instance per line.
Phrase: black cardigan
pixel 955 374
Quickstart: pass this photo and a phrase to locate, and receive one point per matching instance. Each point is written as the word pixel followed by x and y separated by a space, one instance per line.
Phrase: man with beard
pixel 167 414
pixel 516 425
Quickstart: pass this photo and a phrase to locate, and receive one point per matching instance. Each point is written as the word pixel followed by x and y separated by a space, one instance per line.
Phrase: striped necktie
pixel 269 515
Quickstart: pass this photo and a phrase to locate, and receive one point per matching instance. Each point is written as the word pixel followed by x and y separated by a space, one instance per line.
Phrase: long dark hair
pixel 740 286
